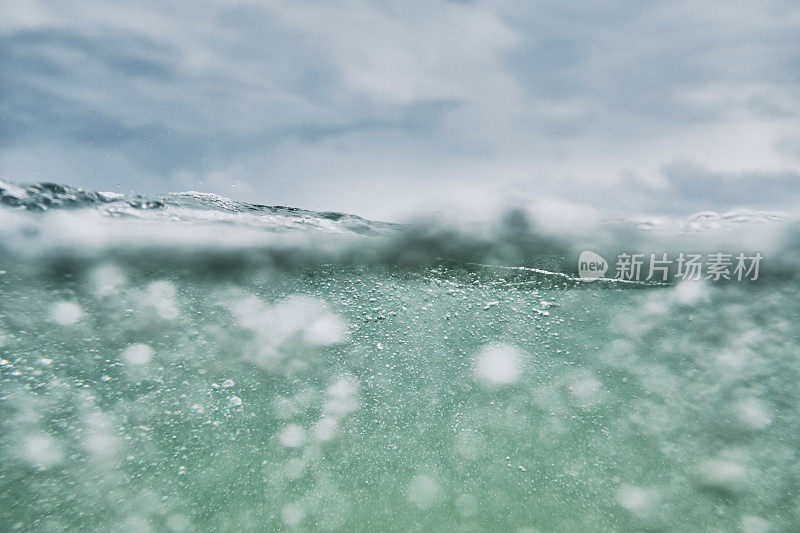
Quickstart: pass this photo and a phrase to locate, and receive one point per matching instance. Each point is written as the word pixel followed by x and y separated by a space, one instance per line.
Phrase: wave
pixel 48 223
pixel 190 206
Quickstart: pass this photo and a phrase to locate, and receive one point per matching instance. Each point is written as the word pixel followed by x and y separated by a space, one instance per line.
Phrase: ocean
pixel 185 362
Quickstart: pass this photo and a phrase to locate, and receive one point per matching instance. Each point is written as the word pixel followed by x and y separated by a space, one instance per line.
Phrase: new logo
pixel 591 265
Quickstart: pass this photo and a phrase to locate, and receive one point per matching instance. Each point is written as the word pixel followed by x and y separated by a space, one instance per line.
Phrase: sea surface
pixel 185 362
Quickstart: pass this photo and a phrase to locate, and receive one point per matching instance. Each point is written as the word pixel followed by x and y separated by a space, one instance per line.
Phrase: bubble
pixel 278 327
pixel 285 408
pixel 228 383
pixel 137 524
pixel 498 364
pixel 324 331
pixel 690 292
pixel 41 450
pixel 344 387
pixel 753 414
pixel 292 436
pixel 467 505
pixel 308 315
pixel 755 524
pixel 723 474
pixel 294 468
pixel 585 388
pixel 65 313
pixel 99 438
pixel 137 354
pixel 178 523
pixel 161 295
pixel 235 401
pixel 469 444
pixel 731 362
pixel 293 514
pixel 637 500
pixel 341 397
pixel 106 280
pixel 249 312
pixel 325 429
pixel 423 491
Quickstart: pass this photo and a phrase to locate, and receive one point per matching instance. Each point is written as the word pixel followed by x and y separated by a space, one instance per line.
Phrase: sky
pixel 386 109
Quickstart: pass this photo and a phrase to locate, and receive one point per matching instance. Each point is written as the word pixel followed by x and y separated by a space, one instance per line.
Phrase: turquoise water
pixel 152 380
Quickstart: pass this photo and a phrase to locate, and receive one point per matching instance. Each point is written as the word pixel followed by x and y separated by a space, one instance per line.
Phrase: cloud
pixel 695 187
pixel 382 108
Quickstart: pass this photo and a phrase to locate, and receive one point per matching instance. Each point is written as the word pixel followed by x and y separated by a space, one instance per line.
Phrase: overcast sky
pixel 385 108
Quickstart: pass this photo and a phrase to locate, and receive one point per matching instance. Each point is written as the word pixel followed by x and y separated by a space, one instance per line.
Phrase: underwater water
pixel 189 363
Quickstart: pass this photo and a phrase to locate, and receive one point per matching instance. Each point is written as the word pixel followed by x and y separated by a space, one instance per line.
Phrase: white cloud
pixel 382 108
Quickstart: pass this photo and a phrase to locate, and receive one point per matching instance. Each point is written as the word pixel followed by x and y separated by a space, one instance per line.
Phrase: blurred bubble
pixel 41 450
pixel 65 313
pixel 498 364
pixel 137 354
pixel 423 491
pixel 292 436
pixel 106 280
pixel 753 414
pixel 293 514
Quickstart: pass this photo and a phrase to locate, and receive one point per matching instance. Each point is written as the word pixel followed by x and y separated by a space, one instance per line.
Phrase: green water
pixel 380 398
